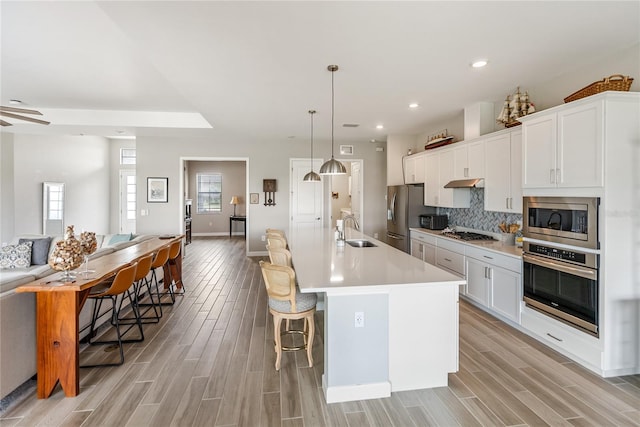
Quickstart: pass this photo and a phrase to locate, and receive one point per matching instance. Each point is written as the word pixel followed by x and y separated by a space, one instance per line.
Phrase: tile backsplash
pixel 476 217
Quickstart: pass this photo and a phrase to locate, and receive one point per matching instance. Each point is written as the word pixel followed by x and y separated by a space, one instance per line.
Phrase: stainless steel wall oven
pixel 560 260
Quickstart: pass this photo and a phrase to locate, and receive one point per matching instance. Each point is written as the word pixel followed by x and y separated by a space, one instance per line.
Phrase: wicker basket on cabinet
pixel 613 82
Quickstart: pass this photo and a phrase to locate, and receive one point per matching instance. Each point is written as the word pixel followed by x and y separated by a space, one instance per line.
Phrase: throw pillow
pixel 16 256
pixel 39 250
pixel 117 238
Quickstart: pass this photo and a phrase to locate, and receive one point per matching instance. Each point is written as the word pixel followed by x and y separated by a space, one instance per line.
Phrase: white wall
pixel 267 160
pixel 81 162
pixel 6 187
pixel 398 147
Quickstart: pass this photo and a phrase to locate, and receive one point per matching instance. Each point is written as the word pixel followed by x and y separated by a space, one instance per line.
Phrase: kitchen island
pixel 391 320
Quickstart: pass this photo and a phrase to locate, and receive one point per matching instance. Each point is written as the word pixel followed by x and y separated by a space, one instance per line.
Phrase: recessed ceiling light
pixel 414 105
pixel 15 102
pixel 380 127
pixel 479 64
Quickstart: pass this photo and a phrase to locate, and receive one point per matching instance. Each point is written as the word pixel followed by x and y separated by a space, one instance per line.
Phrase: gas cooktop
pixel 467 235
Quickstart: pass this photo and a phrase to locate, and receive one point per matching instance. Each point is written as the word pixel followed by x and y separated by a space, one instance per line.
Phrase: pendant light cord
pixel 332 110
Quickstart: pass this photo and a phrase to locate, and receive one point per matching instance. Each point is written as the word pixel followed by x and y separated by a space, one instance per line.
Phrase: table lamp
pixel 234 201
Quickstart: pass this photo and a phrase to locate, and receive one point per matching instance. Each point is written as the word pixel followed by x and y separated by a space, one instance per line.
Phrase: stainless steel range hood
pixel 466 183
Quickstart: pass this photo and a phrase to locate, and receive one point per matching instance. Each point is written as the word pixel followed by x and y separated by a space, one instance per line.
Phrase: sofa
pixel 18 310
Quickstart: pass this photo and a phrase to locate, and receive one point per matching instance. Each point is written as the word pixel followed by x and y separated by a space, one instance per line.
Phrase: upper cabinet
pixel 413 167
pixel 468 160
pixel 503 173
pixel 439 170
pixel 564 148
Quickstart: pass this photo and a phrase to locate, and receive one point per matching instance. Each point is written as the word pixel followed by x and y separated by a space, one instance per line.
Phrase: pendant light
pixel 311 176
pixel 332 167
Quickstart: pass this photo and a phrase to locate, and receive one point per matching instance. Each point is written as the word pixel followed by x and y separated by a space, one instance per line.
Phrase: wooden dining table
pixel 58 306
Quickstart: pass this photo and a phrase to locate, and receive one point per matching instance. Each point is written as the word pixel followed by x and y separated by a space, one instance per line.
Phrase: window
pixel 127 156
pixel 131 197
pixel 209 187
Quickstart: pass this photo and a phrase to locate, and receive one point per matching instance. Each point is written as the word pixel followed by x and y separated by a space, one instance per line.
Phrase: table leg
pixel 230 226
pixel 58 345
pixel 245 229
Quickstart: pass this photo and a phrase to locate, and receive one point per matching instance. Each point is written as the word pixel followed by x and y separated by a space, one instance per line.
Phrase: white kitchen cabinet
pixel 439 170
pixel 414 168
pixel 564 148
pixel 423 246
pixel 503 173
pixel 494 282
pixel 477 285
pixel 468 160
pixel 450 256
pixel 432 179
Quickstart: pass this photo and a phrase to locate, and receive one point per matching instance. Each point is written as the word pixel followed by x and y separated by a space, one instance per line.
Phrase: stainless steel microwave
pixel 567 220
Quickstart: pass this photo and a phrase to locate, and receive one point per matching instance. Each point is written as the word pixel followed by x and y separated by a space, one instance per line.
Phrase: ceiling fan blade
pixel 28 119
pixel 19 110
pixel 3 123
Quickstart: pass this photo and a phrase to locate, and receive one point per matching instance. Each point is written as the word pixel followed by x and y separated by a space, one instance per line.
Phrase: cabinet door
pixel 497 189
pixel 475 160
pixel 417 249
pixel 409 166
pixel 432 180
pixel 460 169
pixel 429 253
pixel 477 285
pixel 580 146
pixel 419 168
pixel 515 203
pixel 539 152
pixel 447 165
pixel 505 293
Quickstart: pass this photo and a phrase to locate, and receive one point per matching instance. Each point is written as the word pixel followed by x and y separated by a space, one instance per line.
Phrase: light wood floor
pixel 211 362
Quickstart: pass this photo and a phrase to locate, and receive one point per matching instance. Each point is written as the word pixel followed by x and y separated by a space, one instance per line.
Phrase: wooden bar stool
pixel 161 258
pixel 279 256
pixel 287 302
pixel 122 284
pixel 140 281
pixel 174 269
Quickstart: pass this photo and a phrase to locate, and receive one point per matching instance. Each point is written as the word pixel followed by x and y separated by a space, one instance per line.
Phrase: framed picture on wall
pixel 157 190
pixel 254 198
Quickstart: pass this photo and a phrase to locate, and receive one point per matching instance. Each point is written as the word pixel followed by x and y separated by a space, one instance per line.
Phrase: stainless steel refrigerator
pixel 405 203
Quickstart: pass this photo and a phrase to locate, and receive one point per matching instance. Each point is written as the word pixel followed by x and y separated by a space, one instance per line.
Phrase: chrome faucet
pixel 354 219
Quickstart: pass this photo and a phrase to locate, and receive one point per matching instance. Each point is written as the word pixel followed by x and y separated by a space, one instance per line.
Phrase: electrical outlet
pixel 211 224
pixel 375 235
pixel 358 320
pixel 264 238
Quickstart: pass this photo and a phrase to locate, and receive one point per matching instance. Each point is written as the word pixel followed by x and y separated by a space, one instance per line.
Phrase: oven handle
pixel 563 267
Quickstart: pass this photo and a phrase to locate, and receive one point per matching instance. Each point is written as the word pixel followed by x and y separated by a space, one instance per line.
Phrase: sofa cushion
pixel 16 256
pixel 39 250
pixel 117 238
pixel 12 278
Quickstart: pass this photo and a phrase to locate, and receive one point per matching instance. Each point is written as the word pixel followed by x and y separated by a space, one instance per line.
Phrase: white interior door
pixel 127 201
pixel 306 197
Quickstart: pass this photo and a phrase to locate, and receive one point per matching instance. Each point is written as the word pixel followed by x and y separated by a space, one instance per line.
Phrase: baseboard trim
pixel 349 393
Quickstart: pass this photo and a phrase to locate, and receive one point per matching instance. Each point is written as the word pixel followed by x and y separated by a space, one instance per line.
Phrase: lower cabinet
pixel 494 281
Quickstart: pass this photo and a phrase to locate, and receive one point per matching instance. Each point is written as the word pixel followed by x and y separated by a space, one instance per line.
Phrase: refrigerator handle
pixel 393 208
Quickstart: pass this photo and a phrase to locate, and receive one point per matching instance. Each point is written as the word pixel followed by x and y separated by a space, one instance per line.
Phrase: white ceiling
pixel 254 69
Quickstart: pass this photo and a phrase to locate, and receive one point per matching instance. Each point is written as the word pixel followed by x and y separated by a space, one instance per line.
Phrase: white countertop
pixel 322 266
pixel 490 245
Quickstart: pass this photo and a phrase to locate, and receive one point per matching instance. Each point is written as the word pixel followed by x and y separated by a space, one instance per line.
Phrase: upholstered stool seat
pixel 304 302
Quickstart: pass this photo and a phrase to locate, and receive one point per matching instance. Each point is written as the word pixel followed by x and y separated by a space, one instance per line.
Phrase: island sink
pixel 359 243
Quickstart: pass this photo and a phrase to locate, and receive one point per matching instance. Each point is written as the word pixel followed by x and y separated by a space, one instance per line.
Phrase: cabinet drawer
pixel 423 237
pixel 574 343
pixel 451 245
pixel 504 261
pixel 451 261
